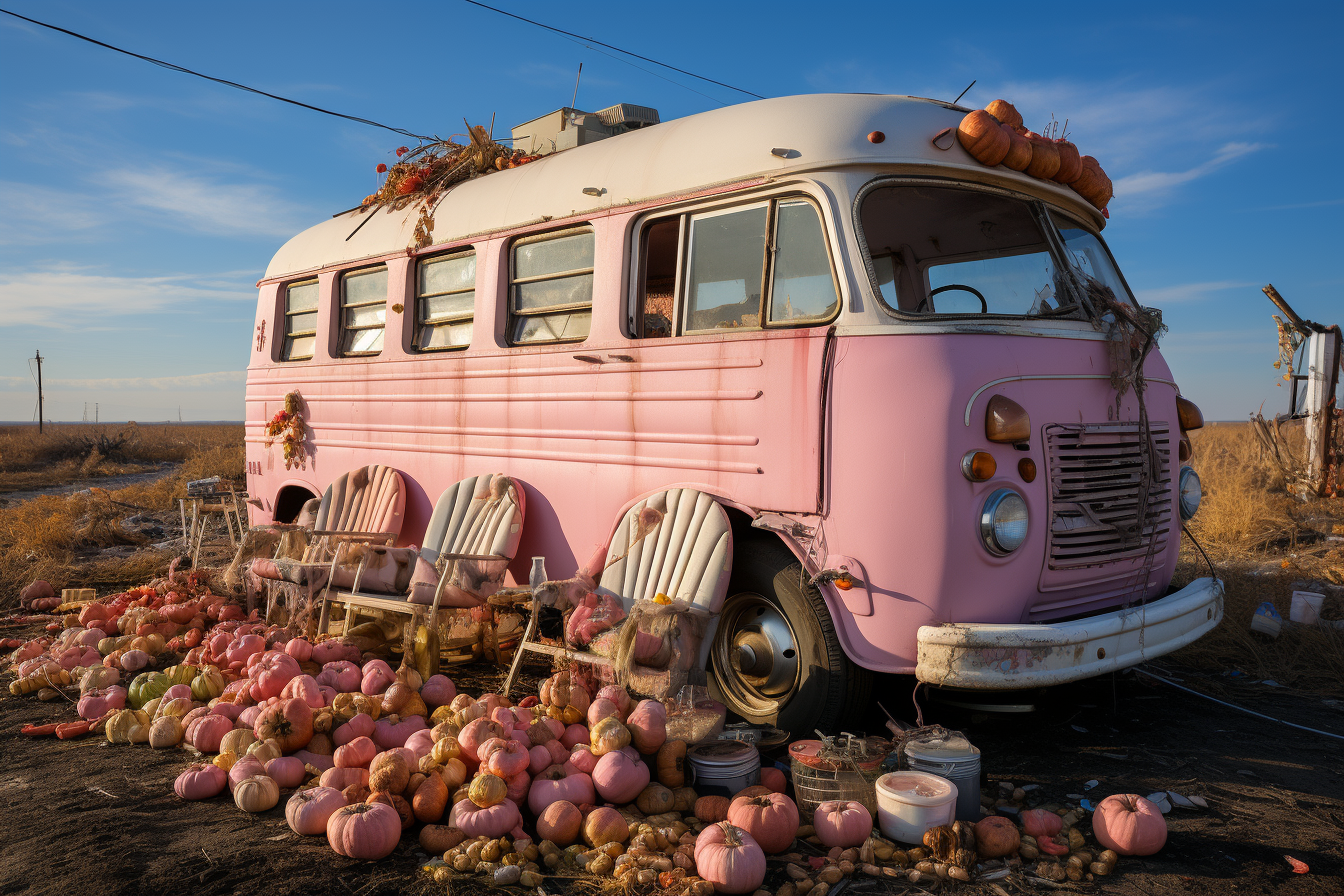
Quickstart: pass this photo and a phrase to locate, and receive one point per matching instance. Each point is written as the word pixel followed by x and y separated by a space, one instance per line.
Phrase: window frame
pixel 511 314
pixel 792 193
pixel 341 307
pixel 419 322
pixel 286 335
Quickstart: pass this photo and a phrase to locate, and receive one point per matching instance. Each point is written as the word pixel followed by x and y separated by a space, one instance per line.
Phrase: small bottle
pixel 538 576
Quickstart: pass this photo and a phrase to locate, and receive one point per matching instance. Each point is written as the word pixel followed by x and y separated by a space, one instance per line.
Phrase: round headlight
pixel 1003 522
pixel 1191 492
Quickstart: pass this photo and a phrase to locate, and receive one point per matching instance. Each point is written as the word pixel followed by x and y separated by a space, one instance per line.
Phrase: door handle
pixel 626 358
pixel 591 359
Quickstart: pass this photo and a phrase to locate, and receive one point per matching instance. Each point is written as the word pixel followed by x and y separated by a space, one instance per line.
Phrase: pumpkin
pixel 245 767
pixel 342 676
pixel 1093 184
pixel 321 745
pixel 1005 112
pixel 752 791
pixel 288 771
pixel 378 677
pixel 347 706
pixel 389 771
pixel 430 799
pixel 486 821
pixel 507 760
pixel 98 702
pixel 355 793
pixel 145 687
pixel 558 783
pixel 574 735
pixel 444 748
pixel 226 759
pixel 256 794
pixel 397 802
pixel 454 773
pixel 356 754
pixel 1019 150
pixel 618 778
pixel 600 709
pixel 685 799
pixel 488 790
pixel 201 781
pixel 97 678
pixel 341 778
pixel 1130 825
pixel 289 723
pixel 607 736
pixel 655 800
pixel 364 830
pixel 477 732
pixel 439 838
pixel 1044 156
pixel 264 750
pixel 980 134
pixel 1070 163
pixel 996 837
pixel 127 726
pixel 605 825
pixel 1041 823
pixel 561 822
pixel 518 787
pixel 648 726
pixel 165 731
pixel 305 688
pixel 729 858
pixel 771 820
pixel 237 741
pixel 359 725
pixel 711 809
pixel 842 823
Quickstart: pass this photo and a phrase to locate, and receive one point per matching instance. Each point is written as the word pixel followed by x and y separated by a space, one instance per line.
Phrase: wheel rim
pixel 755 654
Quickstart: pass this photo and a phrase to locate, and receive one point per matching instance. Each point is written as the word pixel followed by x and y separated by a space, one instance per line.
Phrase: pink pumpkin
pixel 200 782
pixel 618 778
pixel 574 734
pixel 131 660
pixel 507 760
pixel 730 859
pixel 558 728
pixel 364 830
pixel 773 779
pixel 358 753
pixel 475 733
pixel 438 690
pixel 246 767
pixel 332 651
pixel 387 734
pixel 581 759
pixel 316 760
pixel 287 771
pixel 378 677
pixel 341 778
pixel 272 672
pixel 519 787
pixel 420 743
pixel 771 820
pixel 1130 825
pixel 244 647
pixel 176 691
pixel 618 696
pixel 495 821
pixel 360 725
pixel 538 760
pixel 342 676
pixel 555 783
pixel 248 717
pixel 305 688
pixel 842 823
pixel 299 648
pixel 600 709
pixel 206 732
pixel 648 726
pixel 230 711
pixel 309 810
pixel 100 701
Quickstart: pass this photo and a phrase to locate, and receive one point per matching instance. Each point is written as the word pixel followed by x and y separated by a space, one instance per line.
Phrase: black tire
pixel 828 690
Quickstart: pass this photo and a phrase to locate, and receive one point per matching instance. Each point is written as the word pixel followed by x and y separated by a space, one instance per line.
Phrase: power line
pixel 227 83
pixel 610 47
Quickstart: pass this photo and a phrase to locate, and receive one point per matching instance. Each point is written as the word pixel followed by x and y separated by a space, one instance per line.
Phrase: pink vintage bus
pixel 873 351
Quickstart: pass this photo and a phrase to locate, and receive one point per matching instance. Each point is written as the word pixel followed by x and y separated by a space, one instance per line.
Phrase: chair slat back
pixel 479 515
pixel 367 499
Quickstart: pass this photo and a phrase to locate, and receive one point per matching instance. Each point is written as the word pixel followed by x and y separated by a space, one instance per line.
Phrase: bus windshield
pixel 949 251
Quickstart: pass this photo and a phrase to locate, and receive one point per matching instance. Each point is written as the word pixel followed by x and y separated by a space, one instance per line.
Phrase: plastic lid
pixel 950 747
pixel 917 788
pixel 723 752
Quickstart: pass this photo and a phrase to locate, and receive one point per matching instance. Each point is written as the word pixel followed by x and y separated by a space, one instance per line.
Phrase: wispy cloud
pixel 1146 187
pixel 66 297
pixel 158 384
pixel 1186 292
pixel 36 214
pixel 210 205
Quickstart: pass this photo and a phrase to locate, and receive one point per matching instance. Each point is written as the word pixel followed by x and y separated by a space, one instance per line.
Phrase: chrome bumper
pixel 1006 657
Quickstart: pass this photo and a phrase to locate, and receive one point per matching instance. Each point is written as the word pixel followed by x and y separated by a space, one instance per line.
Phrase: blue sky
pixel 139 206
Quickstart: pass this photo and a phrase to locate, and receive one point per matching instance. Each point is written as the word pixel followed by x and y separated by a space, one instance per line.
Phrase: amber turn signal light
pixel 1026 468
pixel 1186 450
pixel 978 466
pixel 1189 414
pixel 1006 421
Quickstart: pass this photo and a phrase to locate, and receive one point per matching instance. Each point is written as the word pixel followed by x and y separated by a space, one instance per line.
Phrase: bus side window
pixel 551 288
pixel 658 285
pixel 363 311
pixel 802 286
pixel 445 298
pixel 300 321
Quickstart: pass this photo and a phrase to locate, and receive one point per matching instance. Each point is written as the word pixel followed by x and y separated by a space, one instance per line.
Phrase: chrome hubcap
pixel 757 644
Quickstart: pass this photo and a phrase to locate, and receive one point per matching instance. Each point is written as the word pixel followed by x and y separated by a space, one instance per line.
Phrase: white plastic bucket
pixel 724 767
pixel 910 802
pixel 1306 607
pixel 955 759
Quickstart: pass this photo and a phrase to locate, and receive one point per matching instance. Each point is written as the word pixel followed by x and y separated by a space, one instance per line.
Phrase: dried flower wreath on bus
pixel 424 174
pixel 287 426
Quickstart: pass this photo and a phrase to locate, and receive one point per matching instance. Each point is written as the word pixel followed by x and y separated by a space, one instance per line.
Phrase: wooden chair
pixel 681 565
pixel 471 538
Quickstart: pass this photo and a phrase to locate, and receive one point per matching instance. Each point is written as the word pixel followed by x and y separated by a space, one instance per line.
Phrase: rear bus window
pixel 300 321
pixel 551 288
pixel 363 311
pixel 741 268
pixel 445 302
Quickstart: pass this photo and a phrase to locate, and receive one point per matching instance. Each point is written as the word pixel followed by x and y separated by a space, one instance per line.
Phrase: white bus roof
pixel 820 131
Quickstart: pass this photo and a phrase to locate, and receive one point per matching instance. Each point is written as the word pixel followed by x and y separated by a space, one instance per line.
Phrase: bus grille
pixel 1095 471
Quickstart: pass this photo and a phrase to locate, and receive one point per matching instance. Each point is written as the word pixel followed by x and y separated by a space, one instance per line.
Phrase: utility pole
pixel 39 391
pixel 95 412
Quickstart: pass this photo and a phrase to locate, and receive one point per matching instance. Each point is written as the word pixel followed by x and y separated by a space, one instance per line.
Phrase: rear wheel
pixel 775 658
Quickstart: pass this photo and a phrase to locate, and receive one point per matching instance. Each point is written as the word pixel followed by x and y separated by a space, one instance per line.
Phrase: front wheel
pixel 775 658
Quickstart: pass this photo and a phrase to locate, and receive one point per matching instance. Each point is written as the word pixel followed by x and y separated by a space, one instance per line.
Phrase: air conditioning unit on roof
pixel 568 127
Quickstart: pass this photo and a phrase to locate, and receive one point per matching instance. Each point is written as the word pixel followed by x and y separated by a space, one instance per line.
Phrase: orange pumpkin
pixel 1093 184
pixel 1044 156
pixel 1070 163
pixel 1019 150
pixel 1005 112
pixel 980 134
pixel 672 764
pixel 712 809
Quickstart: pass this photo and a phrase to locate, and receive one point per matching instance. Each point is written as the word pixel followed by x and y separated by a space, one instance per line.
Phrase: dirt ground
pixel 86 816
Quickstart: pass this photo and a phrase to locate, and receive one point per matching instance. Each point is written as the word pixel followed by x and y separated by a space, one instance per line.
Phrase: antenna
pixel 963 93
pixel 575 98
pixel 38 358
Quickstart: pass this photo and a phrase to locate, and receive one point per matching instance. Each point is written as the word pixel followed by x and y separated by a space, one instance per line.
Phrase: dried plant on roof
pixel 424 174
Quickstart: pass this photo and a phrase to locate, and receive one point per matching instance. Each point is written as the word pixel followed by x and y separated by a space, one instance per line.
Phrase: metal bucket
pixel 952 757
pixel 724 767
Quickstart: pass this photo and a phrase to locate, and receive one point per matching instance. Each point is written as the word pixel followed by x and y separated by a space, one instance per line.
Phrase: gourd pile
pixel 995 135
